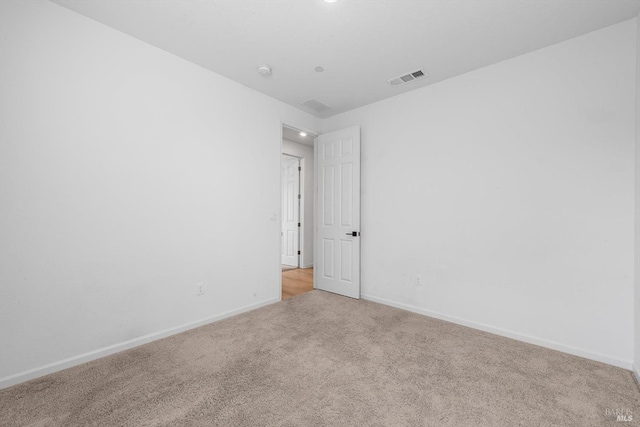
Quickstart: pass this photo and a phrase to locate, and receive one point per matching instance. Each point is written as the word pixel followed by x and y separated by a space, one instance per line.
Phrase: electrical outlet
pixel 200 289
pixel 417 280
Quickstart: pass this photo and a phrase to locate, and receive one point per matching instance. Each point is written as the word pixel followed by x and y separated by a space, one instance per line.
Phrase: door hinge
pixel 298 224
pixel 299 196
pixel 298 252
pixel 299 168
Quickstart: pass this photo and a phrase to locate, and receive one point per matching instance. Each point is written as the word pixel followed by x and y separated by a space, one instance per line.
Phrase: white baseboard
pixel 106 351
pixel 308 266
pixel 636 372
pixel 621 363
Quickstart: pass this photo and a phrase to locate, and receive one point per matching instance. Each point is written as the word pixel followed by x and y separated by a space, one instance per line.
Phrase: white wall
pixel 306 154
pixel 637 212
pixel 114 186
pixel 510 190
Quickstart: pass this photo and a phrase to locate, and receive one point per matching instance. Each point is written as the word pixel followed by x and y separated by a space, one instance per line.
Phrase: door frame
pixel 300 128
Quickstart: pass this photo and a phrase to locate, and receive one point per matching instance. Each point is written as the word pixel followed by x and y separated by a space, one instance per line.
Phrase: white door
pixel 290 210
pixel 337 254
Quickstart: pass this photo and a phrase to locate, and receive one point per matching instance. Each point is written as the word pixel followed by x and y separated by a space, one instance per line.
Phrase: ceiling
pixel 294 135
pixel 360 43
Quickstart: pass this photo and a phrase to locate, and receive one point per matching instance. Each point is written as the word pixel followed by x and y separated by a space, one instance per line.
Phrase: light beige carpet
pixel 324 360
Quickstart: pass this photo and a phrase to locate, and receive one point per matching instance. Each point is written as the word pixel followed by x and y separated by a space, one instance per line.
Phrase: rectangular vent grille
pixel 316 105
pixel 406 78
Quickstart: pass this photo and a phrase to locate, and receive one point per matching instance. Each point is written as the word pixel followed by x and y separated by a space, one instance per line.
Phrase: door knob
pixel 353 233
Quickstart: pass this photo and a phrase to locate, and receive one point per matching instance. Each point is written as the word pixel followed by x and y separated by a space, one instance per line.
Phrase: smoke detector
pixel 406 78
pixel 264 70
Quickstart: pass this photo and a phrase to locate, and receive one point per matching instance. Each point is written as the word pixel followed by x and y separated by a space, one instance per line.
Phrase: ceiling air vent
pixel 316 105
pixel 406 78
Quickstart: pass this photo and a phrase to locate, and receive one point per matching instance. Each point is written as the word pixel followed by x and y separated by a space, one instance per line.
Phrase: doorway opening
pixel 296 241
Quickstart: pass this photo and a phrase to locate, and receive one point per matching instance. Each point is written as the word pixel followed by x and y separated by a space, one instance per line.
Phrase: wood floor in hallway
pixel 296 282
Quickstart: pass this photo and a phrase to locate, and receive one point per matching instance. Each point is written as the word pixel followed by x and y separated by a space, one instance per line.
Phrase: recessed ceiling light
pixel 303 134
pixel 330 1
pixel 319 69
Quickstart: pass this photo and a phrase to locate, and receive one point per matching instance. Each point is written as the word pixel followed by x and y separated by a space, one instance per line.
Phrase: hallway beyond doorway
pixel 296 282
